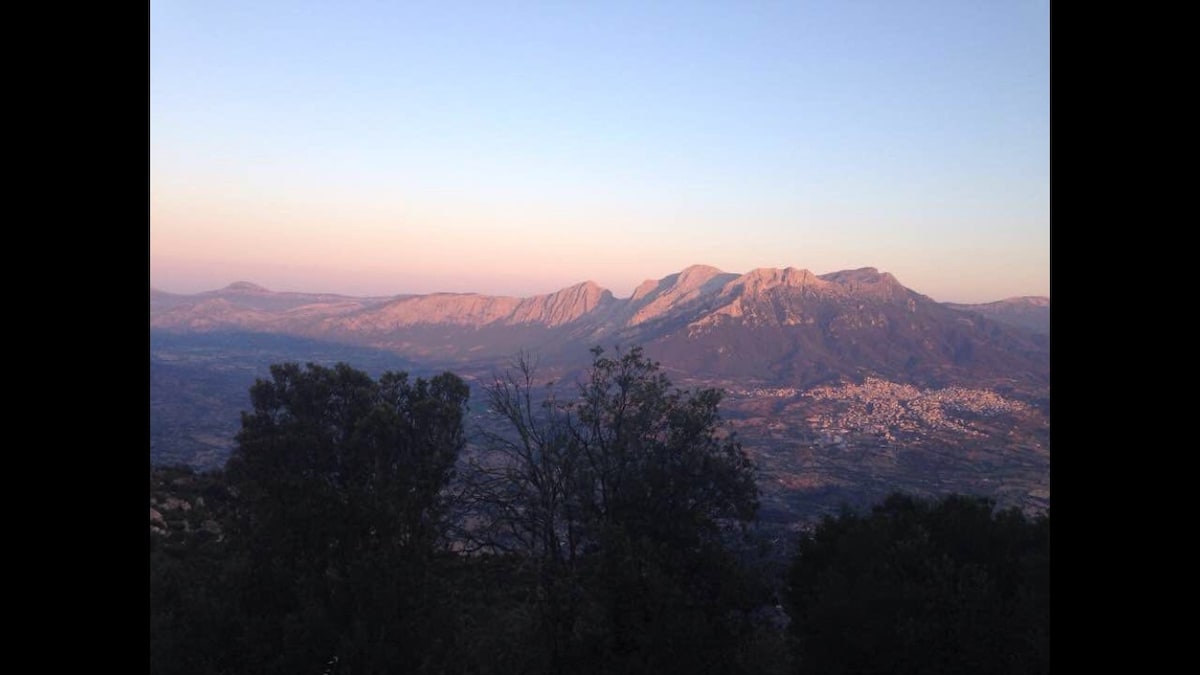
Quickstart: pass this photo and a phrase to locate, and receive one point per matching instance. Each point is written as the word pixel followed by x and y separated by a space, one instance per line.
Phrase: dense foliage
pixel 621 501
pixel 918 586
pixel 339 514
pixel 333 522
pixel 609 530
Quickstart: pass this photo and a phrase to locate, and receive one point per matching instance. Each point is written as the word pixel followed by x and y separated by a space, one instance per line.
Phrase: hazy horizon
pixel 515 149
pixel 191 290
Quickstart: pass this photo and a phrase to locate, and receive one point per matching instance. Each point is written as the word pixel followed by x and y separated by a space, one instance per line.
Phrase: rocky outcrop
pixel 656 300
pixel 566 306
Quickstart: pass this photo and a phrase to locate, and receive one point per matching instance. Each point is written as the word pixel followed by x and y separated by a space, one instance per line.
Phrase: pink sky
pixel 412 147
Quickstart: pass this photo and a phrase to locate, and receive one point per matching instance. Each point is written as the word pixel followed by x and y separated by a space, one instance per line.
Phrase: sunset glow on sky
pixel 377 148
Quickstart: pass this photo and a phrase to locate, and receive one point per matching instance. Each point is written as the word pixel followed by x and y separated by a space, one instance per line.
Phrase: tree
pixel 338 512
pixel 190 627
pixel 916 586
pixel 620 500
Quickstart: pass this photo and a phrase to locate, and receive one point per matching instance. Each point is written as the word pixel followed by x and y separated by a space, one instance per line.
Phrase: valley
pixel 842 387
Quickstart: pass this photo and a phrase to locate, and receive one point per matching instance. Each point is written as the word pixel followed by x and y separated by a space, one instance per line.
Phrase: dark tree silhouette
pixel 916 586
pixel 602 531
pixel 337 514
pixel 620 500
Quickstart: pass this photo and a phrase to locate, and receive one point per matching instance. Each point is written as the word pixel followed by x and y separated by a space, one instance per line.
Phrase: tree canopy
pixel 622 497
pixel 332 448
pixel 923 586
pixel 605 526
pixel 338 511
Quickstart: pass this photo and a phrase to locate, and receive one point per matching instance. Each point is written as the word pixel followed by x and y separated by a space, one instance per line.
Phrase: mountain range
pixel 780 326
pixel 842 386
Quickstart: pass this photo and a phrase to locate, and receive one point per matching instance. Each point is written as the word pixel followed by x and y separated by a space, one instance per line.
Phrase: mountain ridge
pixel 778 324
pixel 688 272
pixel 838 383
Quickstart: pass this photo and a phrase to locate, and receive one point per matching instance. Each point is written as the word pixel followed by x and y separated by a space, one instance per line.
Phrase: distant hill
pixel 1031 312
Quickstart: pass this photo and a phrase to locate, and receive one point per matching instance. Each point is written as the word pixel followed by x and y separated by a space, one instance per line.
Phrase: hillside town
pixel 887 410
pixel 890 410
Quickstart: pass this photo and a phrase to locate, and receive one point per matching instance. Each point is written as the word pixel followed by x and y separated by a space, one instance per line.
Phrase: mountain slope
pixel 791 326
pixel 1030 312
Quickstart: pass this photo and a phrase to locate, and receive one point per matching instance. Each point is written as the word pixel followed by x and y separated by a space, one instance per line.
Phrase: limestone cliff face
pixel 791 297
pixel 868 282
pixel 563 307
pixel 765 296
pixel 766 278
pixel 654 300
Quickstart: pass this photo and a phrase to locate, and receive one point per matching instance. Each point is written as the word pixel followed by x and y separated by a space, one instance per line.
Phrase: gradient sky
pixel 377 148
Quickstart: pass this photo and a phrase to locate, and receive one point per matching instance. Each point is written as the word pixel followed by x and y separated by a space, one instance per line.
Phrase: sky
pixel 515 148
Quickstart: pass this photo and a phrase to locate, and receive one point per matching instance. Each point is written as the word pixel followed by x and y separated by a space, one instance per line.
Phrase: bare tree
pixel 519 497
pixel 517 488
pixel 631 474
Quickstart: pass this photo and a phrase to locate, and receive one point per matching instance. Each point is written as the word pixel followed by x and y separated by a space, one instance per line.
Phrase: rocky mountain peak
pixel 764 278
pixel 645 288
pixel 563 306
pixel 654 299
pixel 868 282
pixel 862 278
pixel 695 276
